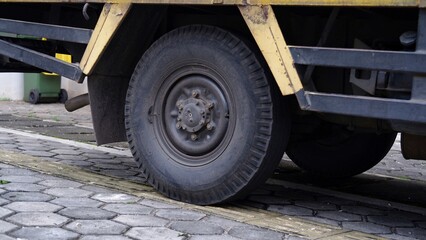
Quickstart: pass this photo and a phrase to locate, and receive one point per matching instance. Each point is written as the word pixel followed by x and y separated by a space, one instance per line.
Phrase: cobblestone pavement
pixel 37 205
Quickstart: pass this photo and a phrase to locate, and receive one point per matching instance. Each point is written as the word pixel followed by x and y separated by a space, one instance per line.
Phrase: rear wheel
pixel 334 152
pixel 203 122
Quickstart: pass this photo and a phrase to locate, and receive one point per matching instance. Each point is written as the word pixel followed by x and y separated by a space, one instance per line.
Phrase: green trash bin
pixel 43 88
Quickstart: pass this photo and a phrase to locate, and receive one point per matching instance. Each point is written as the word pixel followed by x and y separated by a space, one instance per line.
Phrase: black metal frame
pixel 373 107
pixel 55 32
pixel 41 60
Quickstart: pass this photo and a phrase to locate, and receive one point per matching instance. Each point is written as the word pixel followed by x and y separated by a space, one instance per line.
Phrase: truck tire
pixel 203 123
pixel 334 152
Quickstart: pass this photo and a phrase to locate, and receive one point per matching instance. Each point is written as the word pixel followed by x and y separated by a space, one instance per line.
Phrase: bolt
pixel 210 126
pixel 210 105
pixel 179 119
pixel 178 125
pixel 179 103
pixel 194 137
pixel 202 121
pixel 202 112
pixel 194 93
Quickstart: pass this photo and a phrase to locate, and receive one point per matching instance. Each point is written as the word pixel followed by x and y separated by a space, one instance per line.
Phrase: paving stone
pixel 23 187
pixel 110 166
pixel 141 220
pixel 223 222
pixel 104 237
pixel 38 153
pixel 82 163
pixel 196 228
pixel 291 210
pixel 157 204
pixel 87 213
pixel 66 152
pixel 27 196
pixel 149 233
pixel 179 214
pixel 292 195
pixel 21 179
pixel 16 172
pixel 3 166
pixel 420 224
pixel 38 219
pixel 254 233
pixel 76 202
pixel 71 157
pixel 315 205
pixel 44 233
pixel 37 149
pixel 3 201
pixel 367 227
pixel 6 227
pixel 322 220
pixel 96 227
pixel 105 161
pixel 395 237
pixel 336 201
pixel 339 216
pixel 9 146
pixel 367 211
pixel 33 207
pixel 418 233
pixel 68 192
pixel 96 189
pixel 391 221
pixel 115 198
pixel 98 155
pixel 5 237
pixel 5 212
pixel 269 199
pixel 214 237
pixel 130 209
pixel 119 173
pixel 62 183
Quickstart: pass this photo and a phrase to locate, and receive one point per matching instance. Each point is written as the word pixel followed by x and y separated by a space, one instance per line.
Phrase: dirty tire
pixel 334 152
pixel 192 77
pixel 34 96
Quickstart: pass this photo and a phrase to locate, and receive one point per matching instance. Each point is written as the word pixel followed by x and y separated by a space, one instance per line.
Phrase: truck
pixel 210 94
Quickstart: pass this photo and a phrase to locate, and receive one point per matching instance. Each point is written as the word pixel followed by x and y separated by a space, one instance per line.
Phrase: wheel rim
pixel 195 124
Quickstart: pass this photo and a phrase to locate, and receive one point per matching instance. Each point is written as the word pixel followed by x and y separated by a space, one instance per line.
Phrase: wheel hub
pixel 193 115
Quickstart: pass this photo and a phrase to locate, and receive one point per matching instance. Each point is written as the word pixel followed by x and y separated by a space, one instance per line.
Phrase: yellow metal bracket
pixel 109 21
pixel 267 33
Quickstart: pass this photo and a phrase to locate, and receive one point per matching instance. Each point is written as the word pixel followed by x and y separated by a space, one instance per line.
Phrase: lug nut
pixel 194 93
pixel 210 105
pixel 178 125
pixel 194 137
pixel 210 126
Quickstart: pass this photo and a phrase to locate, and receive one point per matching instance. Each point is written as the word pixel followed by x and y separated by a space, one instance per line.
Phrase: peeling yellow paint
pixel 108 23
pixel 267 33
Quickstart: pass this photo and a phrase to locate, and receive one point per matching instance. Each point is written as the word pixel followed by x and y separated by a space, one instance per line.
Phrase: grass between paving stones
pixel 3 182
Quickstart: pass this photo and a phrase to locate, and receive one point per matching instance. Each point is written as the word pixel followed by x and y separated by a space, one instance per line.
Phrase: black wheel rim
pixel 195 124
